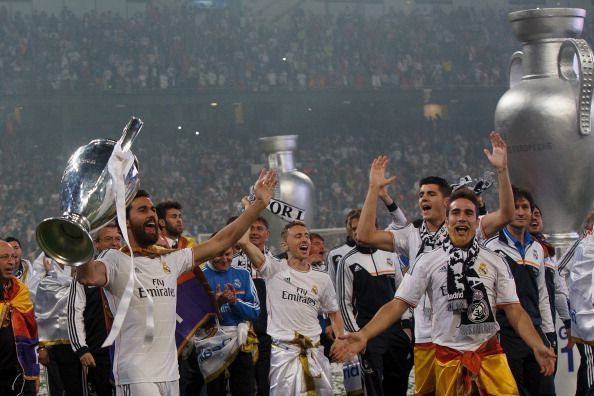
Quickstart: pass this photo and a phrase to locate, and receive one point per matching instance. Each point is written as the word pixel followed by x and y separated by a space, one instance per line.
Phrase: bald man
pixel 19 371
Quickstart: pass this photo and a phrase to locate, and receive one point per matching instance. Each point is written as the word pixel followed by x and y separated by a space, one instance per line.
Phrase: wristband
pixel 392 207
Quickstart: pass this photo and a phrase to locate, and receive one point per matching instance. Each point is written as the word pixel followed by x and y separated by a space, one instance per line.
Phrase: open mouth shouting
pixel 425 209
pixel 150 227
pixel 304 248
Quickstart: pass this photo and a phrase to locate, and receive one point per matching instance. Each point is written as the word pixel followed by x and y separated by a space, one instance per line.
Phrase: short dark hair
pixel 12 239
pixel 139 194
pixel 465 193
pixel 290 225
pixel 263 221
pixel 315 235
pixel 521 193
pixel 444 187
pixel 163 207
pixel 353 214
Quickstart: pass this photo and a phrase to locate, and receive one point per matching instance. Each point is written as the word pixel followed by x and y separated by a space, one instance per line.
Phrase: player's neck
pixel 301 265
pixel 434 224
pixel 517 232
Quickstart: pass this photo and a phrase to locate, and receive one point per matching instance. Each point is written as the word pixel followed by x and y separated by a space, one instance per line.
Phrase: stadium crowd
pixel 231 49
pixel 464 296
pixel 208 179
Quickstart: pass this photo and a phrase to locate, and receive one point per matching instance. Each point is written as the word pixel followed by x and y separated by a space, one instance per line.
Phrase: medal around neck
pixel 87 199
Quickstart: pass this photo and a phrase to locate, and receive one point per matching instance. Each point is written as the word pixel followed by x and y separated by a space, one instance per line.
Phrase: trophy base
pixel 66 239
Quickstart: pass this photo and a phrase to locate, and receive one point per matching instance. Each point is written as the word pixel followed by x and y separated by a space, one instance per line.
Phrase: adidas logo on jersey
pixel 358 268
pixel 442 269
pixel 287 279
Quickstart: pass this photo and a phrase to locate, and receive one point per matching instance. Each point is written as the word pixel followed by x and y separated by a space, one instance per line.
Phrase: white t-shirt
pixel 429 274
pixel 135 362
pixel 294 300
pixel 407 241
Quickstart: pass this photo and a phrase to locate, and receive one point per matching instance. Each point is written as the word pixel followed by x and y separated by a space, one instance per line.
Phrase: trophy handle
pixel 131 130
pixel 577 52
pixel 515 68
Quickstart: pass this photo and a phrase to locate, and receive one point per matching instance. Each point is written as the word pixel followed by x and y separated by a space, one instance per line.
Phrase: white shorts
pixel 168 388
pixel 286 374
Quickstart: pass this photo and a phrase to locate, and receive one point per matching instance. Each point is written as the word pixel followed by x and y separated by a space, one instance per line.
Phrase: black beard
pixel 142 238
pixel 172 231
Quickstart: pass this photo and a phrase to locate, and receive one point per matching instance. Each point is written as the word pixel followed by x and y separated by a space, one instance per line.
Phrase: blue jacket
pixel 247 306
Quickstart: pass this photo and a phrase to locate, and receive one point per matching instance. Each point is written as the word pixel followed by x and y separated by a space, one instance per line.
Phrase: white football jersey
pixel 295 298
pixel 135 362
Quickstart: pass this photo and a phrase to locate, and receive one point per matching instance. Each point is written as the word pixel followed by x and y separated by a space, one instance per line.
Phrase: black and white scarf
pixel 466 293
pixel 434 240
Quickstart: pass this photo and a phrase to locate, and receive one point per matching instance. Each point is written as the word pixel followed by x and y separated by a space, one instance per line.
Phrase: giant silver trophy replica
pixel 87 200
pixel 546 119
pixel 294 197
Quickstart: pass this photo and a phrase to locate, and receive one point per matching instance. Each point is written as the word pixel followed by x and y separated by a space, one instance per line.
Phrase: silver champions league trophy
pixel 546 117
pixel 294 197
pixel 87 200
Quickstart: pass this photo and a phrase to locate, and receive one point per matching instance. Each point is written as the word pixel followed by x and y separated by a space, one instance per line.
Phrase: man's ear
pixel 161 223
pixel 284 246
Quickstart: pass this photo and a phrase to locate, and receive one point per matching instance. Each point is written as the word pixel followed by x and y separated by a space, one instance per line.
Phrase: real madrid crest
pixel 482 269
pixel 165 267
pixel 314 290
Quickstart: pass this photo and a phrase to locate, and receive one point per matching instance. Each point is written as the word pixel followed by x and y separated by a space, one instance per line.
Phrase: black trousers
pixel 386 364
pixel 99 377
pixel 523 365
pixel 190 377
pixel 65 372
pixel 12 384
pixel 241 378
pixel 585 374
pixel 262 368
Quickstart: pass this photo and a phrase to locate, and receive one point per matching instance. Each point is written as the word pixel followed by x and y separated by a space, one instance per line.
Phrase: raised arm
pixel 397 215
pixel 495 221
pixel 255 255
pixel 231 233
pixel 366 230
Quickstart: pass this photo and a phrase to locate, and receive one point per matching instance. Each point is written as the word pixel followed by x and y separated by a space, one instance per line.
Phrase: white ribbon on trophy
pixel 120 163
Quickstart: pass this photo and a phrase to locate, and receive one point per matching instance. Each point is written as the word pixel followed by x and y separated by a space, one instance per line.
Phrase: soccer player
pixel 152 369
pixel 466 283
pixel 427 234
pixel 296 292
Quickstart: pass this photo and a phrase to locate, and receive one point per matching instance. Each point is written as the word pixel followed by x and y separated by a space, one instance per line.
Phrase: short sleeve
pixel 270 267
pixel 182 260
pixel 111 259
pixel 506 285
pixel 415 282
pixel 401 239
pixel 328 300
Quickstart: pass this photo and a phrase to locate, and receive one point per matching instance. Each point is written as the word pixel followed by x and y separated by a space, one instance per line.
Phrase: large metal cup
pixel 294 187
pixel 87 200
pixel 546 116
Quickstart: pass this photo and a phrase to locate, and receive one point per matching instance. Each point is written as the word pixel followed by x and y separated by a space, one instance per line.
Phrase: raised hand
pixel 498 154
pixel 377 173
pixel 264 187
